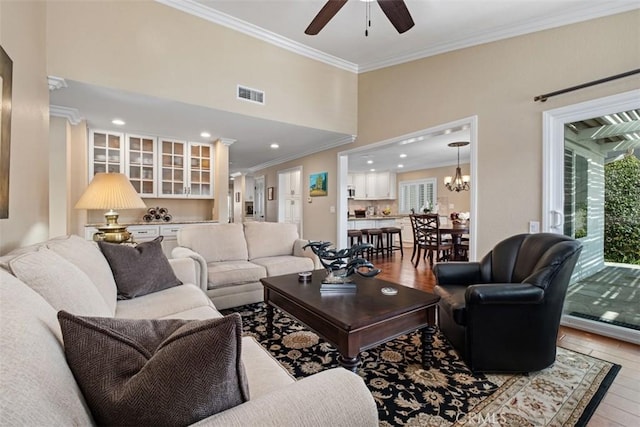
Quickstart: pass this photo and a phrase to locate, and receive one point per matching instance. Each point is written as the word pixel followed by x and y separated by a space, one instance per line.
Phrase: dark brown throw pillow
pixel 165 372
pixel 139 270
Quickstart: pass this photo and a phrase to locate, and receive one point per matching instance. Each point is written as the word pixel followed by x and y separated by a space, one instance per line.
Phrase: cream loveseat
pixel 37 386
pixel 234 257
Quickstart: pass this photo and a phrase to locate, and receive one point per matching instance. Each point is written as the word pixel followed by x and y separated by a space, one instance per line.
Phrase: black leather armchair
pixel 502 314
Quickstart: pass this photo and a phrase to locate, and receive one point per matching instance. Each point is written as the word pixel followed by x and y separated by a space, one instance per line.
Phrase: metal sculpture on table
pixel 340 264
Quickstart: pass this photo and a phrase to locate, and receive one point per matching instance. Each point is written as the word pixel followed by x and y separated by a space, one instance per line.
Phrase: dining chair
pixel 427 237
pixel 416 235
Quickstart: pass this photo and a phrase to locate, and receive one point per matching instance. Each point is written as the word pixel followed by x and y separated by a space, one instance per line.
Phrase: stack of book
pixel 337 287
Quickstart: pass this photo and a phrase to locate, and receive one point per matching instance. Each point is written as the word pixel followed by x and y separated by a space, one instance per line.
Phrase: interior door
pixel 258 199
pixel 290 197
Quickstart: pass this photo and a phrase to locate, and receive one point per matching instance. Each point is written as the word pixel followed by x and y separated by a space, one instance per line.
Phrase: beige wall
pixel 146 47
pixel 450 201
pixel 58 176
pixel 163 52
pixel 78 176
pixel 22 35
pixel 497 82
pixel 319 223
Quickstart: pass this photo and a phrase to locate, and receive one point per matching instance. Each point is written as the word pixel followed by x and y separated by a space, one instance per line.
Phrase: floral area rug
pixel 447 394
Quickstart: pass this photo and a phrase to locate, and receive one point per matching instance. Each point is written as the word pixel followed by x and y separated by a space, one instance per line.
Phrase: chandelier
pixel 459 182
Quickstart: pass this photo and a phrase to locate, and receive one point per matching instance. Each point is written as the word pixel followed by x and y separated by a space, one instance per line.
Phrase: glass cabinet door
pixel 200 176
pixel 173 170
pixel 141 165
pixel 105 152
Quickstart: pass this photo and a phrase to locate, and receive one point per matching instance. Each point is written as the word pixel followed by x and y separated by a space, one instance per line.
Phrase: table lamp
pixel 110 191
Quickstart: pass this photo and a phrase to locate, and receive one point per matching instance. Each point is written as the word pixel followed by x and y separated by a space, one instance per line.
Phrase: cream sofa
pixel 234 257
pixel 37 386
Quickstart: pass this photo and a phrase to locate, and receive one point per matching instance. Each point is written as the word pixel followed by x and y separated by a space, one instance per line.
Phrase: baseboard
pixel 600 328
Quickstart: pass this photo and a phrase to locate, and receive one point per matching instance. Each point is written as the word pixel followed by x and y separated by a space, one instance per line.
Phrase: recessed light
pixel 372 170
pixel 402 156
pixel 118 122
pixel 369 162
pixel 400 166
pixel 274 146
pixel 205 135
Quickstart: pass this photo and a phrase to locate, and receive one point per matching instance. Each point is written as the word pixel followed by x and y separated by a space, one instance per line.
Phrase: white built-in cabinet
pixel 146 232
pixel 187 169
pixel 156 167
pixel 106 152
pixel 373 185
pixel 291 184
pixel 141 160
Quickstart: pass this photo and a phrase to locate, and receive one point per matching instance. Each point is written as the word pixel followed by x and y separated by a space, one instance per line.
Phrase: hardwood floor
pixel 621 405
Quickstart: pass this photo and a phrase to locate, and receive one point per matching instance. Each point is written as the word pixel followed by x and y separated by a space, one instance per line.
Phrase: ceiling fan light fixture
pixel 395 10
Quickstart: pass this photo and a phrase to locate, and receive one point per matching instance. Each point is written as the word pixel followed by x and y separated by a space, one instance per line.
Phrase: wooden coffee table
pixel 354 321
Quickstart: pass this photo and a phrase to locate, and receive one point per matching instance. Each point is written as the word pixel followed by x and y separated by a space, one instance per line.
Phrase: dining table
pixel 456 230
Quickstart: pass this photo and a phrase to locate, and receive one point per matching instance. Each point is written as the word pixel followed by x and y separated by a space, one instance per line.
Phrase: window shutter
pixel 415 195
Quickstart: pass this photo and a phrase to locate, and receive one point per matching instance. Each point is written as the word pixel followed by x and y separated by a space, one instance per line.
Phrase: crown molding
pixel 71 114
pixel 586 13
pixel 56 83
pixel 322 147
pixel 194 8
pixel 507 31
pixel 227 141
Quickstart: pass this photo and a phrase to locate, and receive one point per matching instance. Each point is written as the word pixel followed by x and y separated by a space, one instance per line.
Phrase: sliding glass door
pixel 592 193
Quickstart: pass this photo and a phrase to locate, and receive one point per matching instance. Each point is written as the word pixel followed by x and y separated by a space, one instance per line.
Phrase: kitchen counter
pixel 127 224
pixel 353 218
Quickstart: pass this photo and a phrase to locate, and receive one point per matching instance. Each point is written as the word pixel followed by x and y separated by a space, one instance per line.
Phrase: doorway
pixel 581 144
pixel 425 138
pixel 290 197
pixel 258 197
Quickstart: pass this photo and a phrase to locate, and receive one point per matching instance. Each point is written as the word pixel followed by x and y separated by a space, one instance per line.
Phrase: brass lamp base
pixel 112 236
pixel 112 232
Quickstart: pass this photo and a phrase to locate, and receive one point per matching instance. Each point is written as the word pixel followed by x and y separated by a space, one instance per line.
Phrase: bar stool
pixel 355 236
pixel 374 237
pixel 390 233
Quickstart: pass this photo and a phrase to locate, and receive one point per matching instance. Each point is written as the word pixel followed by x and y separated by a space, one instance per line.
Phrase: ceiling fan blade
pixel 397 13
pixel 327 12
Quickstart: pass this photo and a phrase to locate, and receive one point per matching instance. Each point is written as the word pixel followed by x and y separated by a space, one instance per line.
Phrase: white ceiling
pixel 441 25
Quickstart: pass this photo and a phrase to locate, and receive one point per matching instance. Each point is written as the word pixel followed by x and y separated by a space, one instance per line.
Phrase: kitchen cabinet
pixel 106 152
pixel 186 169
pixel 156 167
pixel 147 232
pixel 141 160
pixel 359 224
pixel 360 186
pixel 374 185
pixel 291 184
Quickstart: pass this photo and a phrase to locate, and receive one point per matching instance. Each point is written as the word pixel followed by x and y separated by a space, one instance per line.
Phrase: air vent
pixel 252 95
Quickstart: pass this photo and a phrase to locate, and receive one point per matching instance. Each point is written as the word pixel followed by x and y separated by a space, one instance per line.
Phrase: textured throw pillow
pixel 165 372
pixel 139 270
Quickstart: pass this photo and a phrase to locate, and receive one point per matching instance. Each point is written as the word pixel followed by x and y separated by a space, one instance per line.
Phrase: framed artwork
pixel 318 184
pixel 237 197
pixel 270 193
pixel 6 73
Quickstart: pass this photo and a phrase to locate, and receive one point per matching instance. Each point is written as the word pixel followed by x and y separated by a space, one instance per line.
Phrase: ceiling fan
pixel 395 10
